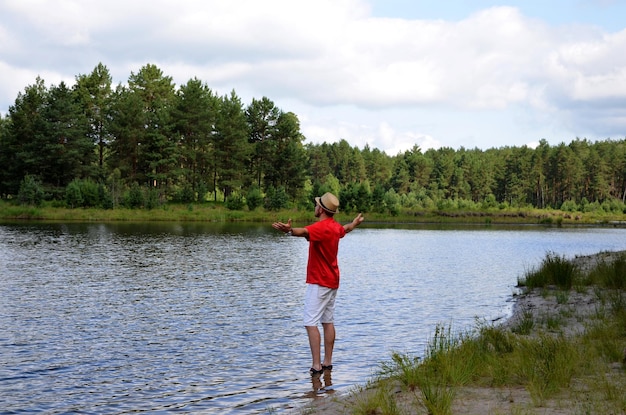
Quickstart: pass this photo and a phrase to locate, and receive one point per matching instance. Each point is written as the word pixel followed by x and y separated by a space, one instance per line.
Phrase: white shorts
pixel 319 305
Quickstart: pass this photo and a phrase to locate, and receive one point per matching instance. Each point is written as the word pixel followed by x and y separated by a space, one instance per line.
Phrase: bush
pixel 235 202
pixel 490 202
pixel 276 198
pixel 254 198
pixel 30 192
pixel 185 195
pixel 106 199
pixel 73 195
pixel 569 206
pixel 392 202
pixel 151 198
pixel 90 193
pixel 133 199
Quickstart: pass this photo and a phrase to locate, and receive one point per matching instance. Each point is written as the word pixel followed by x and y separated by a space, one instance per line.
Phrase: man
pixel 322 275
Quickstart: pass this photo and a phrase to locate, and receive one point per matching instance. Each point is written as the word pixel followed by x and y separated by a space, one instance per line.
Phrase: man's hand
pixel 355 222
pixel 283 227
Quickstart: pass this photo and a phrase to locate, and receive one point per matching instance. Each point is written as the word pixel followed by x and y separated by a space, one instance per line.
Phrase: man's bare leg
pixel 314 342
pixel 329 343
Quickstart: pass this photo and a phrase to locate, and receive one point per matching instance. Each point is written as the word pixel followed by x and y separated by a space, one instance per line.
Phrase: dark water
pixel 201 318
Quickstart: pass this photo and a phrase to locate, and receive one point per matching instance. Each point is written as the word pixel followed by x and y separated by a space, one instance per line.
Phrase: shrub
pixel 490 201
pixel 392 202
pixel 106 199
pixel 254 198
pixel 90 193
pixel 73 195
pixel 569 206
pixel 30 192
pixel 134 197
pixel 151 198
pixel 276 198
pixel 185 195
pixel 235 202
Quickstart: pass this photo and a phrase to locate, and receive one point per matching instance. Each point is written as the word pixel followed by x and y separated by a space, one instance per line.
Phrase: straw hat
pixel 328 202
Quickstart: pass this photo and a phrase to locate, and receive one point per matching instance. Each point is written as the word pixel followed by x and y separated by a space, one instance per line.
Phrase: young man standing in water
pixel 322 275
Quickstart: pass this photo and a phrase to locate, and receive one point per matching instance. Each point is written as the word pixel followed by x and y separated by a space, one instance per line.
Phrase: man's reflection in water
pixel 322 385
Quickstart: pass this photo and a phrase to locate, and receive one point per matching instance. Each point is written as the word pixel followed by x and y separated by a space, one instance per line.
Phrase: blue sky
pixel 608 14
pixel 387 73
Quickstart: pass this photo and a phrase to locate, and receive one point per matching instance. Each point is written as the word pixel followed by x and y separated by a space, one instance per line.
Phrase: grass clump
pixel 611 275
pixel 545 365
pixel 555 270
pixel 379 401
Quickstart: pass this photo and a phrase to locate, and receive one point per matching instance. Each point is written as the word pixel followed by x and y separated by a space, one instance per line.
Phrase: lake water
pixel 206 318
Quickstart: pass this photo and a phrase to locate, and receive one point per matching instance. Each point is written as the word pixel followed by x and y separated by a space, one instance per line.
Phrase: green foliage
pixel 185 195
pixel 30 192
pixel 276 198
pixel 105 197
pixel 356 197
pixel 133 198
pixel 73 194
pixel 569 206
pixel 392 202
pixel 235 201
pixel 86 193
pixel 91 193
pixel 152 198
pixel 187 142
pixel 490 201
pixel 254 198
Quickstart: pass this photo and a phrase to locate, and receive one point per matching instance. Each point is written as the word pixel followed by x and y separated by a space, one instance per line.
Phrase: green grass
pixel 554 270
pixel 216 212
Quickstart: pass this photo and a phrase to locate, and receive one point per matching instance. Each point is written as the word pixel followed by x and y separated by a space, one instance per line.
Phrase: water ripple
pixel 200 318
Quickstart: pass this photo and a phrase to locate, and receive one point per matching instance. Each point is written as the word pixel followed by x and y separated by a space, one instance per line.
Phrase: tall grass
pixel 554 270
pixel 546 364
pixel 610 275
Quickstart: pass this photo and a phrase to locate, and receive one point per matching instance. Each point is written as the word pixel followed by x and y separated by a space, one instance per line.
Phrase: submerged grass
pixel 584 372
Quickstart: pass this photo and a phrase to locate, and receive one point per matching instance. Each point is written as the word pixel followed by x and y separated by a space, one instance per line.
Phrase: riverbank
pixel 217 212
pixel 561 314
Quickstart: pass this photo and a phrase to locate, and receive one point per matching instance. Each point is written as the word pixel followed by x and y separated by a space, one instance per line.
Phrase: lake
pixel 206 318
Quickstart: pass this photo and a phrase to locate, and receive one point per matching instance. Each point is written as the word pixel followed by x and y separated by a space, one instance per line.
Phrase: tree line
pixel 148 142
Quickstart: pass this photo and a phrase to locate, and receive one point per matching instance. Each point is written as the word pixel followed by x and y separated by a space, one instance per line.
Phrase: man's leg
pixel 314 342
pixel 329 343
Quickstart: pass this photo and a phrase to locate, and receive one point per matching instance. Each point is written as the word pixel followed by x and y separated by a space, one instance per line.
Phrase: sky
pixel 391 74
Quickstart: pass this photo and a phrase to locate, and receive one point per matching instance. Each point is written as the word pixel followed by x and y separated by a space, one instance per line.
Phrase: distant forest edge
pixel 148 143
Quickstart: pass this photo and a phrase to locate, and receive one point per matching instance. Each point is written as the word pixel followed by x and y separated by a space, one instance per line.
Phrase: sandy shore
pixel 485 400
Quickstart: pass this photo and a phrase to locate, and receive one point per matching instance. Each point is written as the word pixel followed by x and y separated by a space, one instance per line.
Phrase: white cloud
pixel 337 64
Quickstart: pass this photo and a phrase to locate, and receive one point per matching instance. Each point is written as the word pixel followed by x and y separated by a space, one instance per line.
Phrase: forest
pixel 150 142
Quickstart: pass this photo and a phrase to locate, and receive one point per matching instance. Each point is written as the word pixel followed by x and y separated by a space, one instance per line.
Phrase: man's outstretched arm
pixel 355 222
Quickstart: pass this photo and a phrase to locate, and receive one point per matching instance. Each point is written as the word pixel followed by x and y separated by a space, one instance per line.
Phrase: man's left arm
pixel 348 227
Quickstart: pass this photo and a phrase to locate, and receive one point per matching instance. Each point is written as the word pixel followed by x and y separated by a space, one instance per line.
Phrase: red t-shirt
pixel 322 268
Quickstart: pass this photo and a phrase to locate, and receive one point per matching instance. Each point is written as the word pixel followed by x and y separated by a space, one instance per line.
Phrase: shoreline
pixel 486 400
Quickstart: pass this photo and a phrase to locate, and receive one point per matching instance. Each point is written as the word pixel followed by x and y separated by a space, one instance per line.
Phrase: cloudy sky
pixel 388 73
